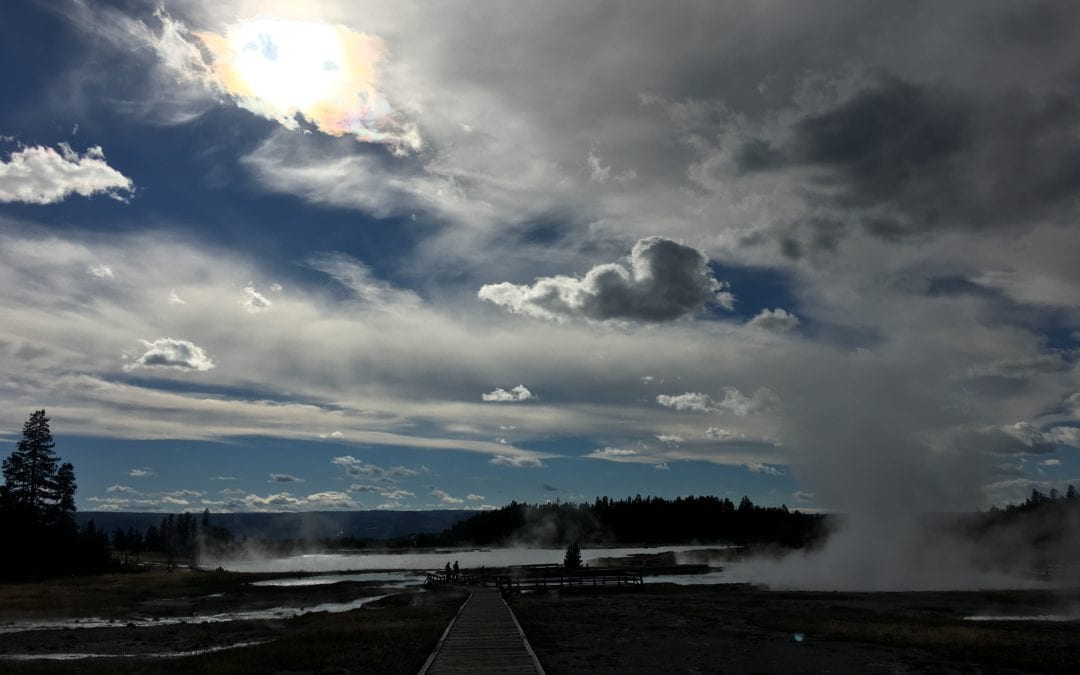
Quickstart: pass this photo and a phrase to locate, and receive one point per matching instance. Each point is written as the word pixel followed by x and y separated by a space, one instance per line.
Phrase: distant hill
pixel 292 526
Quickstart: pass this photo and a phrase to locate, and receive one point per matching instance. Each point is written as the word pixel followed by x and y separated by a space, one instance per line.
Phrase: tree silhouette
pixel 37 512
pixel 33 485
pixel 572 560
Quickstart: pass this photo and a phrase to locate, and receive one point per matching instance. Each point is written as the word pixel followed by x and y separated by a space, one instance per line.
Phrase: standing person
pixel 456 570
pixel 447 571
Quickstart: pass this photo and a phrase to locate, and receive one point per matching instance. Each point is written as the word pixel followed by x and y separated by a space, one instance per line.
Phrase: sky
pixel 260 255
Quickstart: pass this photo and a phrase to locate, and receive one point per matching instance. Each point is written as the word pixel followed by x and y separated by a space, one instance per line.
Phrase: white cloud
pixel 670 439
pixel 41 175
pixel 517 461
pixel 395 495
pixel 287 501
pixel 734 401
pixel 475 498
pixel 175 299
pixel 665 281
pixel 601 173
pixel 1050 462
pixel 172 353
pixel 359 487
pixel 101 272
pixel 758 467
pixel 184 493
pixel 109 503
pixel 446 498
pixel 1066 435
pixel 284 478
pixel 500 395
pixel 611 453
pixel 691 400
pixel 122 489
pixel 662 466
pixel 362 282
pixel 741 405
pixel 175 501
pixel 777 320
pixel 141 472
pixel 357 468
pixel 255 302
pixel 330 500
pixel 282 501
pixel 719 434
pixel 334 434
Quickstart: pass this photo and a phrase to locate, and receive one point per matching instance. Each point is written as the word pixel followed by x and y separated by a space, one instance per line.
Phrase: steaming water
pixel 249 615
pixel 708 578
pixel 496 557
pixel 386 579
pixel 79 656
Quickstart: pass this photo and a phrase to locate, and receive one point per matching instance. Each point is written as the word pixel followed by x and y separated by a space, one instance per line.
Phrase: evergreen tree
pixel 32 482
pixel 572 560
pixel 37 507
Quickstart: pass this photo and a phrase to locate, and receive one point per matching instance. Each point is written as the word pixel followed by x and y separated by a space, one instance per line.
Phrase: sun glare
pixel 326 73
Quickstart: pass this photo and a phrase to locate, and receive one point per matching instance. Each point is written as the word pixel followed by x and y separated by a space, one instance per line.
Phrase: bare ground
pixel 391 635
pixel 729 629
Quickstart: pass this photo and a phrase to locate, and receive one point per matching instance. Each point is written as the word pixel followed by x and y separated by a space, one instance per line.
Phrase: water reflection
pixel 496 557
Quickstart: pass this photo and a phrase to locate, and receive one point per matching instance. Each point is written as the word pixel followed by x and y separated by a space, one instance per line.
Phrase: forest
pixel 635 520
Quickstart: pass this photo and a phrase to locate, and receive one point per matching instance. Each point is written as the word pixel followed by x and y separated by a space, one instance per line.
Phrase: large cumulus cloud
pixel 666 280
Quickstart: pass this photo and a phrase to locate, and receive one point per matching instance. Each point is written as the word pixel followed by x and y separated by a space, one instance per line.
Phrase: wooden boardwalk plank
pixel 484 637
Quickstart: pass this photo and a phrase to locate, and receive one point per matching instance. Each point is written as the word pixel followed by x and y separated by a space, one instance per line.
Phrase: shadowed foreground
pixel 391 635
pixel 709 629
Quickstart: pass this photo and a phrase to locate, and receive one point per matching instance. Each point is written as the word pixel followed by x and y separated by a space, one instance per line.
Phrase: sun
pixel 284 69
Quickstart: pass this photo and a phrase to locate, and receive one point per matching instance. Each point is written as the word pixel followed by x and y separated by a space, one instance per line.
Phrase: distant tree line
pixel 643 520
pixel 177 537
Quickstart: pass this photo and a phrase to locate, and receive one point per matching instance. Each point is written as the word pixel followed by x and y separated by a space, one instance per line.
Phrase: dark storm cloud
pixel 907 157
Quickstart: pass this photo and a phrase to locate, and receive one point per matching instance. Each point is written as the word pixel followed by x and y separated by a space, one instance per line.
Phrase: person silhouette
pixel 457 569
pixel 447 571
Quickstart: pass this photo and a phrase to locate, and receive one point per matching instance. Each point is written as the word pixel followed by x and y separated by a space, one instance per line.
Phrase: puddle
pixel 78 656
pixel 144 622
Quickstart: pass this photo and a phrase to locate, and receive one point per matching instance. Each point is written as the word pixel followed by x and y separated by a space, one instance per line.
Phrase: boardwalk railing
pixel 537 577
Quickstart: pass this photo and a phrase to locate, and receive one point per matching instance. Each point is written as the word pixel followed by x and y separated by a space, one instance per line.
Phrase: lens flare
pixel 282 69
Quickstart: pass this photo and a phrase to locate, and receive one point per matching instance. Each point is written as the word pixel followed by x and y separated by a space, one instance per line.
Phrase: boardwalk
pixel 483 638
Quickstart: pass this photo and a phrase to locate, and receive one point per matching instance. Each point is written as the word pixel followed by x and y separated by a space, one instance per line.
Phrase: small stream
pixel 147 622
pixel 79 656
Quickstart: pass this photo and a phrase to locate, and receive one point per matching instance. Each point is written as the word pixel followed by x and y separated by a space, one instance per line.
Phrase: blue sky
pixel 267 255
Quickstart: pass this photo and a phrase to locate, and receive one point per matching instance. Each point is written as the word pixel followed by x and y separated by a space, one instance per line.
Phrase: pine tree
pixel 32 482
pixel 572 560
